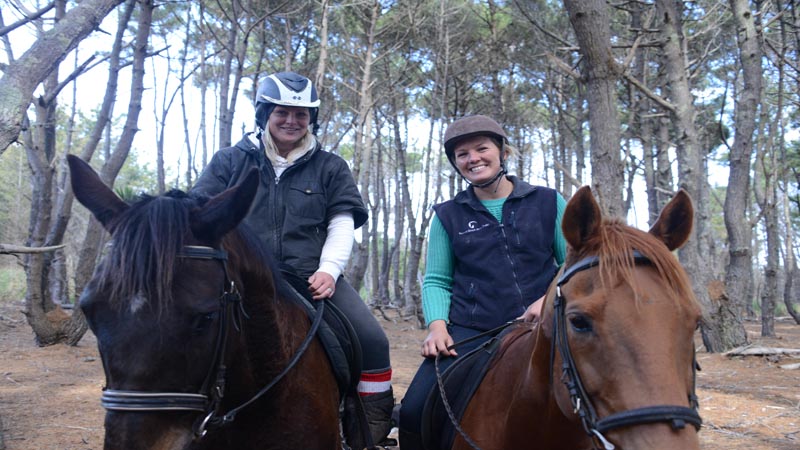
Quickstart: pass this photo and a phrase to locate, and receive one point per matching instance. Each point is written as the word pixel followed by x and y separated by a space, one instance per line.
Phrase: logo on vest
pixel 472 227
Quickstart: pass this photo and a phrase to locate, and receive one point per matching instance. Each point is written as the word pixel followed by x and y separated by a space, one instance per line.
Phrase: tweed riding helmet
pixel 470 126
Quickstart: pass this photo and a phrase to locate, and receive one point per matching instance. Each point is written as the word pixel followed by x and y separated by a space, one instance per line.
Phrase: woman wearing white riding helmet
pixel 306 210
pixel 492 252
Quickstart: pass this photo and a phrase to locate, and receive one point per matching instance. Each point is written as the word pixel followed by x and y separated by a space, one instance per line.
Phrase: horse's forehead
pixel 641 284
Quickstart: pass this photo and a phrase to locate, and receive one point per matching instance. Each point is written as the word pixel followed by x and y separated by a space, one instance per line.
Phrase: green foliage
pixel 780 308
pixel 716 218
pixel 12 281
pixel 346 151
pixel 135 178
pixel 15 196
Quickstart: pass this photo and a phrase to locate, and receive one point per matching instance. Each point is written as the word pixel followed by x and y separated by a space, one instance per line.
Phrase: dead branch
pixel 8 249
pixel 29 17
pixel 749 350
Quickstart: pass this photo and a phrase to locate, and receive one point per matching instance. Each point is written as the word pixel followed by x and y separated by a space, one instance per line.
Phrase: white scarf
pixel 279 163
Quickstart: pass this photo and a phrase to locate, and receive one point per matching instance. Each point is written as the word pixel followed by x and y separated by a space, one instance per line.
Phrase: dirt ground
pixel 49 397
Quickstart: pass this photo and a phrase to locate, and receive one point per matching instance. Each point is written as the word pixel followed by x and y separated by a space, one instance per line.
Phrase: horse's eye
pixel 201 321
pixel 580 323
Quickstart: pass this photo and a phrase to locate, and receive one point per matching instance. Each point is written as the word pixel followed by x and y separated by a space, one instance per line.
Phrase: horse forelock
pixel 614 246
pixel 146 239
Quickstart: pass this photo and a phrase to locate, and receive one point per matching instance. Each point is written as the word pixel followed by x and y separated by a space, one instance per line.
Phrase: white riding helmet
pixel 286 89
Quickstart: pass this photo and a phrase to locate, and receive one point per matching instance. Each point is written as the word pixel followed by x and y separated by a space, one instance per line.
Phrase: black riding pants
pixel 425 380
pixel 374 344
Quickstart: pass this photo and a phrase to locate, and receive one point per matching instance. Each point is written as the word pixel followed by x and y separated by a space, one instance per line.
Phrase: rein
pixel 440 383
pixel 677 416
pixel 208 400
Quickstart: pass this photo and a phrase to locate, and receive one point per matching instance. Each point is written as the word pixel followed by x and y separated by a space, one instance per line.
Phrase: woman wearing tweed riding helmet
pixel 306 210
pixel 492 252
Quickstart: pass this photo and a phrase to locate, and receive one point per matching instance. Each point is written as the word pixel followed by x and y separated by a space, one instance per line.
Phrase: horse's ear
pixel 223 212
pixel 582 218
pixel 90 190
pixel 674 224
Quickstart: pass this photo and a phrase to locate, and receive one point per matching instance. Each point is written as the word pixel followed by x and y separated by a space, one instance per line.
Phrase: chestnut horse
pixel 203 344
pixel 612 363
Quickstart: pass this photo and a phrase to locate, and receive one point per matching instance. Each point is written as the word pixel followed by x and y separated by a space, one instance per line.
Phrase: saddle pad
pixel 460 380
pixel 336 334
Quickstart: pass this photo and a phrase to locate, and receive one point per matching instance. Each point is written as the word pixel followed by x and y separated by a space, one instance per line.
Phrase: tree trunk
pixel 22 76
pixel 739 273
pixel 591 22
pixel 363 139
pixel 190 152
pixel 44 315
pixel 770 294
pixel 721 329
pixel 95 235
pixel 791 290
pixel 387 246
pixel 664 176
pixel 75 327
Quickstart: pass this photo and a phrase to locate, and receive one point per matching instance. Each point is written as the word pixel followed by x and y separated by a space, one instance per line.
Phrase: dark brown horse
pixel 203 344
pixel 612 363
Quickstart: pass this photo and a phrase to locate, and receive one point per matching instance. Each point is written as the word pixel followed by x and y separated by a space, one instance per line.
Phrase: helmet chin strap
pixel 494 179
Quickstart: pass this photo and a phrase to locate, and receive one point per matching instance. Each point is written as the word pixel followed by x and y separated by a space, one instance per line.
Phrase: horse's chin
pixel 172 438
pixel 656 436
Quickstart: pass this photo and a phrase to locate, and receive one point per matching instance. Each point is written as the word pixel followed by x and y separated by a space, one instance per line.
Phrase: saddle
pixel 343 349
pixel 460 381
pixel 336 334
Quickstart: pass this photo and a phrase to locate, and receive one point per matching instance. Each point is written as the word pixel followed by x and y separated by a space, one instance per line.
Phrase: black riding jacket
pixel 290 214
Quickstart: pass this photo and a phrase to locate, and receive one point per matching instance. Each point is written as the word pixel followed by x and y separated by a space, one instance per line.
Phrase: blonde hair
pixel 511 152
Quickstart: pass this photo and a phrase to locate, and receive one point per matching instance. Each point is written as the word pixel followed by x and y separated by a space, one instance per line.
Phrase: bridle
pixel 208 399
pixel 676 416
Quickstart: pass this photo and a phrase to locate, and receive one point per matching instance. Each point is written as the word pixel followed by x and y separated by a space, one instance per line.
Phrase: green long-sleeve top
pixel 437 287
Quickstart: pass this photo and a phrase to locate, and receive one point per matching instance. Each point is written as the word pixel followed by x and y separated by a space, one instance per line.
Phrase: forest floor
pixel 49 397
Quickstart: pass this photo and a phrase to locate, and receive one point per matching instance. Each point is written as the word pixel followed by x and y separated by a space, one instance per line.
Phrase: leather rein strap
pixel 209 398
pixel 677 416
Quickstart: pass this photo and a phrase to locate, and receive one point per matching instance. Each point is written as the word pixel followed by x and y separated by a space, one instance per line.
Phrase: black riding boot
pixel 378 412
pixel 410 441
pixel 378 408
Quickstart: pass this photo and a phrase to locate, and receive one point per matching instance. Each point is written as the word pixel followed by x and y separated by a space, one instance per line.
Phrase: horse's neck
pixel 539 376
pixel 275 327
pixel 538 370
pixel 547 372
pixel 521 366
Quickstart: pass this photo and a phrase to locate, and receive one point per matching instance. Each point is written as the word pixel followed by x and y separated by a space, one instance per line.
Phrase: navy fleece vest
pixel 500 268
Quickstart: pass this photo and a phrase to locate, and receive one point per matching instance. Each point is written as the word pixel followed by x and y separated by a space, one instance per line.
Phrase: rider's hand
pixel 534 311
pixel 321 285
pixel 438 340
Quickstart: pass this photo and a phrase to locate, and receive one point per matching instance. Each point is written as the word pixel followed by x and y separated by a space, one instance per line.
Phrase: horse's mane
pixel 614 246
pixel 147 238
pixel 247 253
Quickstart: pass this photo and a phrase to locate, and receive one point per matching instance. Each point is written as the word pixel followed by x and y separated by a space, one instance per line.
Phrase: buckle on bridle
pixel 201 430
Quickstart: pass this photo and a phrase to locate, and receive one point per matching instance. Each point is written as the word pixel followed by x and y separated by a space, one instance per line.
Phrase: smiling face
pixel 477 159
pixel 287 126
